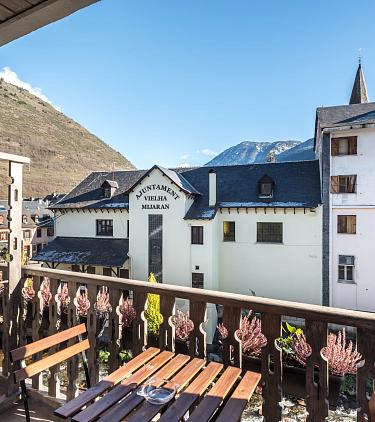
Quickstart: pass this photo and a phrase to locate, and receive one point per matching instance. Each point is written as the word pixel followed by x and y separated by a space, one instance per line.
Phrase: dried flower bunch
pixel 63 297
pixel 102 305
pixel 28 291
pixel 183 325
pixel 45 292
pixel 83 303
pixel 127 312
pixel 342 357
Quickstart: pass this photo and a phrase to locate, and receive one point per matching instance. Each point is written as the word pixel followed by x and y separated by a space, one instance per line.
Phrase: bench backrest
pixel 20 354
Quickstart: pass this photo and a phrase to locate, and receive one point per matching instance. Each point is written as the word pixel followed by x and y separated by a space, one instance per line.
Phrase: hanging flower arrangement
pixel 127 313
pixel 102 305
pixel 63 298
pixel 28 291
pixel 45 293
pixel 82 302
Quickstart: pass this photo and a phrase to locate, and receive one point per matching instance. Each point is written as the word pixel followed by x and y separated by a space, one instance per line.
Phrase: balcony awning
pixel 85 251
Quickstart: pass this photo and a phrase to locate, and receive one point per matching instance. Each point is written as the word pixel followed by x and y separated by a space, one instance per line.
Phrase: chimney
pixel 211 188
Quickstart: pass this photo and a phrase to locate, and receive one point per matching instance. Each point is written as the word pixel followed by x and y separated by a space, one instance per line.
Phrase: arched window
pixel 266 187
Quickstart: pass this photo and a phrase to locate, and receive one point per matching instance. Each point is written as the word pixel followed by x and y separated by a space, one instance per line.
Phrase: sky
pixel 175 82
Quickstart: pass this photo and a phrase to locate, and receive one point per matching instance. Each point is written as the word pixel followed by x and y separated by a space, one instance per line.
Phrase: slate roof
pixel 297 185
pixel 346 115
pixel 86 251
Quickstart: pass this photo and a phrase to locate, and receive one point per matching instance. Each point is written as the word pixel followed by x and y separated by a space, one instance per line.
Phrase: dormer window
pixel 109 188
pixel 265 187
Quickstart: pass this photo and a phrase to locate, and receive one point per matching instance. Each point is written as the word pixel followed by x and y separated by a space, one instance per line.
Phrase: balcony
pixel 108 334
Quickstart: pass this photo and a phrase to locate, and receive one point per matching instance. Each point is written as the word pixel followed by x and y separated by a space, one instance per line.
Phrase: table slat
pixel 239 399
pixel 192 393
pixel 96 409
pixel 213 399
pixel 123 408
pixel 75 405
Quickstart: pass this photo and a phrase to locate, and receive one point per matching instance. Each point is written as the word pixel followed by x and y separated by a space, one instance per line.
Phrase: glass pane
pixel 341 272
pixel 349 273
pixel 343 147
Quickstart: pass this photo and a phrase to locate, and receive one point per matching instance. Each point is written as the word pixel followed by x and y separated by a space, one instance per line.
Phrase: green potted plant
pixel 152 314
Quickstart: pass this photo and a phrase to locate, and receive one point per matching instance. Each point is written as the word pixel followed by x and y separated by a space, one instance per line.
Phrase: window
pixel 270 232
pixel 50 231
pixel 265 187
pixel 197 235
pixel 229 231
pixel 197 280
pixel 127 228
pixel 346 224
pixel 346 269
pixel 26 234
pixel 344 146
pixel 24 219
pixel 35 218
pixel 104 227
pixel 38 247
pixel 38 232
pixel 344 184
pixel 3 235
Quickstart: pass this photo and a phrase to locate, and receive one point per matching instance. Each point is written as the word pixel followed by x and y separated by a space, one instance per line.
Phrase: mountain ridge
pixel 62 151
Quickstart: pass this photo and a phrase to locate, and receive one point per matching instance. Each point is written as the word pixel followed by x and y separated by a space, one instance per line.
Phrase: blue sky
pixel 173 82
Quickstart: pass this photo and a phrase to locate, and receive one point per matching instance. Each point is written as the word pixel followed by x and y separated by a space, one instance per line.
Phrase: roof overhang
pixel 20 17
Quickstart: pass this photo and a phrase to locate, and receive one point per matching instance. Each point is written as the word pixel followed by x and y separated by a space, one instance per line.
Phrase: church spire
pixel 359 91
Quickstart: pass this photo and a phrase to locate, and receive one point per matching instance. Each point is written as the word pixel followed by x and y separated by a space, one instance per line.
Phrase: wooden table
pixel 204 389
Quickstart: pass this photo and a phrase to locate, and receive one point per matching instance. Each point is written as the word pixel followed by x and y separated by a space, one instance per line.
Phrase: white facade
pixel 358 293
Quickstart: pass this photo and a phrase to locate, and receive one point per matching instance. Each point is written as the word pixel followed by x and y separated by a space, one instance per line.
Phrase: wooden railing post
pixel 271 369
pixel 72 364
pixel 316 372
pixel 167 332
pixel 365 371
pixel 139 323
pixel 53 381
pixel 114 329
pixel 197 343
pixel 35 327
pixel 92 352
pixel 232 350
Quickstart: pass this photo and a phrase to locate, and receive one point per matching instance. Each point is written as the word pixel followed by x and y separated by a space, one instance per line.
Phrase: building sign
pixel 159 200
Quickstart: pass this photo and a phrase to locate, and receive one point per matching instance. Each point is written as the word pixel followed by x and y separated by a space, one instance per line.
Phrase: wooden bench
pixel 22 371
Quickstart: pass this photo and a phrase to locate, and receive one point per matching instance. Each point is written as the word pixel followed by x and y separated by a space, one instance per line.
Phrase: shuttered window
pixel 344 146
pixel 344 184
pixel 197 235
pixel 229 231
pixel 347 224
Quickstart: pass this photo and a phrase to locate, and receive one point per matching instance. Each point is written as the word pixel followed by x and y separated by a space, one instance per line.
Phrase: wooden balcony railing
pixel 316 320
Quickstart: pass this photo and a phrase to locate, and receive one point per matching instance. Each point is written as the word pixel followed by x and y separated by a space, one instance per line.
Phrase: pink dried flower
pixel 45 292
pixel 102 305
pixel 223 331
pixel 63 297
pixel 251 335
pixel 342 357
pixel 128 313
pixel 183 325
pixel 83 303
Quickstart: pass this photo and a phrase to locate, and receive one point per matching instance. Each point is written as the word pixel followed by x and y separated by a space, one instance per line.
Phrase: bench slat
pixel 96 409
pixel 40 345
pixel 213 399
pixel 148 411
pixel 120 410
pixel 239 399
pixel 49 361
pixel 192 393
pixel 75 405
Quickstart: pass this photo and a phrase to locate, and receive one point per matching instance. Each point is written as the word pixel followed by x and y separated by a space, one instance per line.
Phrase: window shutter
pixel 353 145
pixel 334 184
pixel 334 146
pixel 351 224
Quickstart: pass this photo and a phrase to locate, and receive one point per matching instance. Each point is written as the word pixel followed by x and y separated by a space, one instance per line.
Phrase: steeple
pixel 359 92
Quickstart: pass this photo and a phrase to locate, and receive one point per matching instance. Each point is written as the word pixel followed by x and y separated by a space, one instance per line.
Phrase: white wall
pixel 290 271
pixel 83 224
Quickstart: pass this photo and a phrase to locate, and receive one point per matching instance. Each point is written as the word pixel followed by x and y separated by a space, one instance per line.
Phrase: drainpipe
pixel 211 188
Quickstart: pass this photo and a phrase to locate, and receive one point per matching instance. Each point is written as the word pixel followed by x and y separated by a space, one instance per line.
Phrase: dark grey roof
pixel 359 92
pixel 89 193
pixel 87 251
pixel 346 115
pixel 297 185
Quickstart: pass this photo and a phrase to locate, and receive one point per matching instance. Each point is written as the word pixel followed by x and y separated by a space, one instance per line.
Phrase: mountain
pixel 62 152
pixel 248 152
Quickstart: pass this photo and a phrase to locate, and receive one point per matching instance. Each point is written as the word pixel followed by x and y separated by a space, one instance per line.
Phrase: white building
pixel 253 229
pixel 345 144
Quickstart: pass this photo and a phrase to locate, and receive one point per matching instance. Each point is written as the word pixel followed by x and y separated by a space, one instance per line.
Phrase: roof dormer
pixel 266 187
pixel 109 188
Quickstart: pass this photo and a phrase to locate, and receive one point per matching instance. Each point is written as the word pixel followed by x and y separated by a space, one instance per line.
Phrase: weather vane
pixel 360 55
